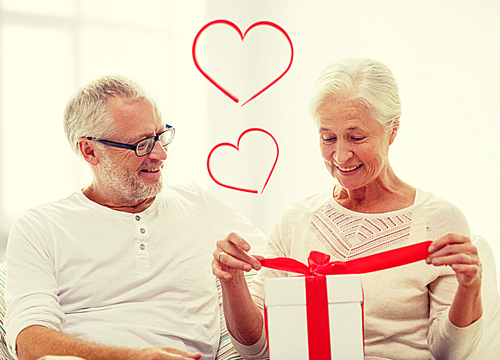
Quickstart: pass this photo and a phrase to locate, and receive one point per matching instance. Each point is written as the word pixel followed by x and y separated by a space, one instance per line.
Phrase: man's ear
pixel 394 130
pixel 87 150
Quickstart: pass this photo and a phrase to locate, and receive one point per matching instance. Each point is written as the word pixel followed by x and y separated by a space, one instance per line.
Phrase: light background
pixel 444 55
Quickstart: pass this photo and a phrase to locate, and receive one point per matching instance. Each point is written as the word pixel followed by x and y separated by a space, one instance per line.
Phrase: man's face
pixel 121 173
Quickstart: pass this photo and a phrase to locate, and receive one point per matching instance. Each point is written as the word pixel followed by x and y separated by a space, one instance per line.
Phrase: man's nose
pixel 159 152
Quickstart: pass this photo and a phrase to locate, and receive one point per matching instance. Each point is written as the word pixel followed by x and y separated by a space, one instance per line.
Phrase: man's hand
pixel 166 353
pixel 36 341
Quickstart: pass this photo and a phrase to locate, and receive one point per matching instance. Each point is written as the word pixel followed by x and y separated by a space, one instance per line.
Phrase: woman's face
pixel 354 146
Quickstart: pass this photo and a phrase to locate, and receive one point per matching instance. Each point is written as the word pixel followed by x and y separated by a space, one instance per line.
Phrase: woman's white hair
pixel 86 114
pixel 368 83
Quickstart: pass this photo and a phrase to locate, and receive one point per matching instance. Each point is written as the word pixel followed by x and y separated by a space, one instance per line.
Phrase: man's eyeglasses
pixel 144 146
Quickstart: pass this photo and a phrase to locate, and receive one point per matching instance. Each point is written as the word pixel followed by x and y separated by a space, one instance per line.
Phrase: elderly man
pixel 120 269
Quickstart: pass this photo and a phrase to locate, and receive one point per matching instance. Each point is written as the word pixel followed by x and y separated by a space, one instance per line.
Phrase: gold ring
pixel 218 258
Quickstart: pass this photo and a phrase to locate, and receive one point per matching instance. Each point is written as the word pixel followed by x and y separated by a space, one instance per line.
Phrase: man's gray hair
pixel 368 83
pixel 86 114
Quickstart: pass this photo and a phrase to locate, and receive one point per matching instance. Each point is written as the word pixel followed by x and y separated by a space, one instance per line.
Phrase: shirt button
pixel 143 230
pixel 142 246
pixel 137 217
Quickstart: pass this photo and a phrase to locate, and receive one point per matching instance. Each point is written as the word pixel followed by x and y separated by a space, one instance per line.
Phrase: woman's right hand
pixel 243 318
pixel 231 257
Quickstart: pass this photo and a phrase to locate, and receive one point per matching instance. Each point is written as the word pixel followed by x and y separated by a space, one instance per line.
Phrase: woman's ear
pixel 87 150
pixel 394 130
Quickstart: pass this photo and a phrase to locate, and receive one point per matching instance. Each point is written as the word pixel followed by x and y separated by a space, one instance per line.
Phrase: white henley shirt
pixel 121 279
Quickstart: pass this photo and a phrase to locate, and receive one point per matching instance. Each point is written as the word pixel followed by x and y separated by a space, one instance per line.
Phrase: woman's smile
pixel 348 169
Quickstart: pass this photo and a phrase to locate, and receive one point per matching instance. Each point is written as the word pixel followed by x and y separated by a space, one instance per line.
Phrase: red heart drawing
pixel 237 147
pixel 227 22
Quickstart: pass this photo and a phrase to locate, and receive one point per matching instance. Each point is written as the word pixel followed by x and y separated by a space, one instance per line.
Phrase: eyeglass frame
pixel 134 146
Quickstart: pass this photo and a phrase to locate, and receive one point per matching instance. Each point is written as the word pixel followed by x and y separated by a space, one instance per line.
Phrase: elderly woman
pixel 418 311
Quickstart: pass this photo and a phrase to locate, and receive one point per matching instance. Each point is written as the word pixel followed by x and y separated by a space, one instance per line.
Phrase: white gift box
pixel 285 300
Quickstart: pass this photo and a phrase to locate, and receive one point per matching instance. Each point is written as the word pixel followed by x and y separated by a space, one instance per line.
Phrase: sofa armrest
pixel 489 346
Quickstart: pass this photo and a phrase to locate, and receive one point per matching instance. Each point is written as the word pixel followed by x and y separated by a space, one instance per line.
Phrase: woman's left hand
pixel 457 251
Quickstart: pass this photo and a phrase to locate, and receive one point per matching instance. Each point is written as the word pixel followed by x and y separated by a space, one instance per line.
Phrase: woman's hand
pixel 458 252
pixel 243 318
pixel 231 257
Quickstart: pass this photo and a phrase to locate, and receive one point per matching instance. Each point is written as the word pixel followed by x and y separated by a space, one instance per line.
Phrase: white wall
pixel 443 54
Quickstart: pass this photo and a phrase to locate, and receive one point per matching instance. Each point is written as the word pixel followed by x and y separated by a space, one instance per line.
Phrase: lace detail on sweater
pixel 351 237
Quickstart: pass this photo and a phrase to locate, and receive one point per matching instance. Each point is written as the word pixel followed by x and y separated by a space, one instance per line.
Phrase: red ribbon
pixel 318 327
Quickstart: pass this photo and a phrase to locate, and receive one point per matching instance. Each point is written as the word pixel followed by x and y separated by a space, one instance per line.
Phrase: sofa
pixel 489 347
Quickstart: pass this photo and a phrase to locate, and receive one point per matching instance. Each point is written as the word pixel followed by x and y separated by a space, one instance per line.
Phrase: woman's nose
pixel 342 153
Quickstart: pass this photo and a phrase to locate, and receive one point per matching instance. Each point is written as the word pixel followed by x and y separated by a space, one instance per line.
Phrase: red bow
pixel 319 262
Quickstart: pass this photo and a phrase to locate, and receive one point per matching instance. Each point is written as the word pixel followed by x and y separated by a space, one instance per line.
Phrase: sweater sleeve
pixel 256 351
pixel 447 341
pixel 273 249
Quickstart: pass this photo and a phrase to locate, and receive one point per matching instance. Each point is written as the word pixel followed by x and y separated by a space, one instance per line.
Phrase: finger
pixel 252 259
pixel 195 356
pixel 167 355
pixel 237 240
pixel 239 260
pixel 468 275
pixel 447 239
pixel 219 272
pixel 459 258
pixel 455 249
pixel 180 354
pixel 455 253
pixel 190 356
pixel 233 251
pixel 232 244
pixel 472 270
pixel 452 244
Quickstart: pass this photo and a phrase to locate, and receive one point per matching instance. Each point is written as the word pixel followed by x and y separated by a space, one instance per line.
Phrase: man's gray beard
pixel 126 186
